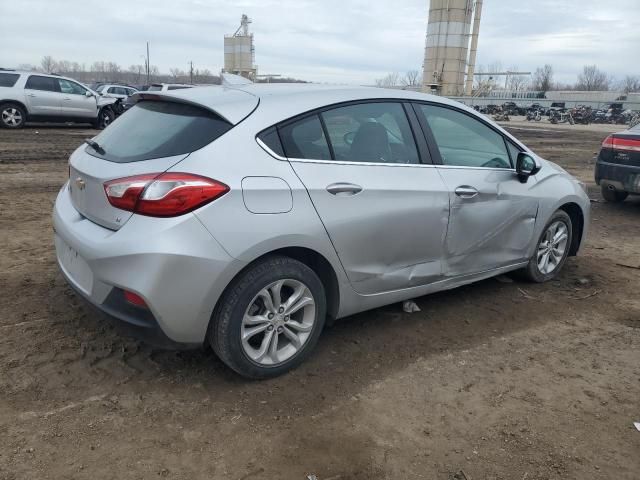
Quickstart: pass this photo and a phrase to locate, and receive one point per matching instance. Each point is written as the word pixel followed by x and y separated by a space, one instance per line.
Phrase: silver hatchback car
pixel 248 217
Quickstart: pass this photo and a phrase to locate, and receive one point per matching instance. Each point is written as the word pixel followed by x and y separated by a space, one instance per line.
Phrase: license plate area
pixel 74 266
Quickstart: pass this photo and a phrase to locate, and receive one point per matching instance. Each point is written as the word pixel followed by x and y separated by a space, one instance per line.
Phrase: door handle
pixel 66 98
pixel 342 188
pixel 465 191
pixel 31 94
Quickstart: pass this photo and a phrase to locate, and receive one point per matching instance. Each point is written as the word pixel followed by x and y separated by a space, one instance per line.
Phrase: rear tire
pixel 12 115
pixel 613 195
pixel 249 320
pixel 552 249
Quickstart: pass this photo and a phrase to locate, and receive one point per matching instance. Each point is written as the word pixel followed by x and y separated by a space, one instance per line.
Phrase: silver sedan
pixel 248 217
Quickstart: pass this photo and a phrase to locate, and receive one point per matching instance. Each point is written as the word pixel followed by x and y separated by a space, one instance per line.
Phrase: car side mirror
pixel 88 94
pixel 526 166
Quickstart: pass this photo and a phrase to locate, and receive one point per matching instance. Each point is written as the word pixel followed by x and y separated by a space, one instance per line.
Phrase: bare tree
pixel 391 80
pixel 592 78
pixel 411 78
pixel 543 78
pixel 630 83
pixel 48 64
pixel 176 73
pixel 28 67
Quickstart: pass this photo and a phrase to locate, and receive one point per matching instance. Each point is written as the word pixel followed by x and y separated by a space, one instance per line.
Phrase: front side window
pixel 371 132
pixel 465 141
pixel 47 84
pixel 153 129
pixel 305 139
pixel 71 88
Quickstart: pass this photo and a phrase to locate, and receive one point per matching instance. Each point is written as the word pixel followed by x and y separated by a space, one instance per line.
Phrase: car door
pixel 43 96
pixel 380 199
pixel 75 103
pixel 493 214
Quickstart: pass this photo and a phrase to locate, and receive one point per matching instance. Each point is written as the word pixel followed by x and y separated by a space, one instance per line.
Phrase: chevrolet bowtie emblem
pixel 80 183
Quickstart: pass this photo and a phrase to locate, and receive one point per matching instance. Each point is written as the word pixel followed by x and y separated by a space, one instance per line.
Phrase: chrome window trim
pixel 373 164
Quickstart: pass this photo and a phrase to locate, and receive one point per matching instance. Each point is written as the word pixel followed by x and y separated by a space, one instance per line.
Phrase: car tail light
pixel 134 299
pixel 616 143
pixel 163 194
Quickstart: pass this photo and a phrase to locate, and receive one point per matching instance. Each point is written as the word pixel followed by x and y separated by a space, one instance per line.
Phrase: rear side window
pixel 48 84
pixel 305 139
pixel 155 88
pixel 158 129
pixel 371 132
pixel 271 139
pixel 8 79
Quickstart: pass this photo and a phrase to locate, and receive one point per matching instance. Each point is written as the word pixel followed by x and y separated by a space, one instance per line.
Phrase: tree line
pixel 542 79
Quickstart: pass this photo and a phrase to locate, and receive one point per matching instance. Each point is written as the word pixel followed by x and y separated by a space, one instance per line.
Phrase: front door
pixel 385 211
pixel 75 102
pixel 493 214
pixel 43 96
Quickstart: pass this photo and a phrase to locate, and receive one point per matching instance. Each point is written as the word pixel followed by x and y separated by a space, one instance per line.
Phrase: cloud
pixel 340 41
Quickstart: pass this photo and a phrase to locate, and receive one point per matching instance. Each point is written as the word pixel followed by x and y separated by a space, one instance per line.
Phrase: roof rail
pixel 7 69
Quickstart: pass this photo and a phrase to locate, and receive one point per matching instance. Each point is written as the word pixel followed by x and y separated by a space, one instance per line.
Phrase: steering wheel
pixel 496 162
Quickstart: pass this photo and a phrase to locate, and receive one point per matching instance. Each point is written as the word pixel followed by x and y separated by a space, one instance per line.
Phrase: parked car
pixel 165 87
pixel 115 91
pixel 29 96
pixel 618 165
pixel 247 218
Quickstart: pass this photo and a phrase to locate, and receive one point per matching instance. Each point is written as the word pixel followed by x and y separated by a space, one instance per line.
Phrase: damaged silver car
pixel 246 218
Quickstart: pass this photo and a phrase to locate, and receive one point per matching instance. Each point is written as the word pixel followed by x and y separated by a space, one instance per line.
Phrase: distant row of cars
pixel 38 97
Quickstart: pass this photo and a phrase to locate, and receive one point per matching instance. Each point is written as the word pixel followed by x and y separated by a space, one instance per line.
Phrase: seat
pixel 371 144
pixel 304 135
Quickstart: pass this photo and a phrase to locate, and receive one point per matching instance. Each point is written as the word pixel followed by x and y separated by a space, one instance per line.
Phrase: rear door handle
pixel 31 94
pixel 344 189
pixel 66 98
pixel 465 191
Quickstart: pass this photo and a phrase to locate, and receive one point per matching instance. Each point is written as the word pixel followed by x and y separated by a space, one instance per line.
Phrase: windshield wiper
pixel 95 145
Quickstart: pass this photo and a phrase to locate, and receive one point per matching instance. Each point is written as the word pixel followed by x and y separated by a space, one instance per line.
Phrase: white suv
pixel 31 96
pixel 115 91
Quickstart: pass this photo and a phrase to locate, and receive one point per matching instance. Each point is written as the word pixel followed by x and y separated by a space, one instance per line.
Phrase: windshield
pixel 100 88
pixel 152 129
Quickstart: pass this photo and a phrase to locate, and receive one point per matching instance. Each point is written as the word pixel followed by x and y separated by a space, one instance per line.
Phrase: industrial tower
pixel 239 52
pixel 451 45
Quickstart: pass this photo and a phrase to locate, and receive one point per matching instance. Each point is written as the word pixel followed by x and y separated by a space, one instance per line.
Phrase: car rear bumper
pixel 174 264
pixel 621 177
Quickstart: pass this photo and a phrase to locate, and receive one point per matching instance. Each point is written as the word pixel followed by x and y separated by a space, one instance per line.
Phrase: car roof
pixel 281 101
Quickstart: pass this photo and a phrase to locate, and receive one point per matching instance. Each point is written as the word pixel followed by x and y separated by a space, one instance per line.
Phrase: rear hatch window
pixel 153 129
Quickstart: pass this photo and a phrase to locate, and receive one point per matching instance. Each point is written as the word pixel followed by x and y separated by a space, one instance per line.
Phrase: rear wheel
pixel 270 318
pixel 552 249
pixel 12 115
pixel 613 195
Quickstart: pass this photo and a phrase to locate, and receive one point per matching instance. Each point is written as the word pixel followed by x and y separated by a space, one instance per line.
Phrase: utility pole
pixel 148 64
pixel 191 71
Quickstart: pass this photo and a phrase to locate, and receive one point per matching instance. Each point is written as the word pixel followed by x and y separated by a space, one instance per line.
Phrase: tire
pixel 12 115
pixel 533 271
pixel 250 358
pixel 613 195
pixel 105 117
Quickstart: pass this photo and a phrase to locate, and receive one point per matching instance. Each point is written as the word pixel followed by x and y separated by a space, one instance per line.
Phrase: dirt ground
pixel 490 381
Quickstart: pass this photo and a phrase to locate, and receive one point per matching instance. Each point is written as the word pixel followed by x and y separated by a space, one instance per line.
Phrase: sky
pixel 334 41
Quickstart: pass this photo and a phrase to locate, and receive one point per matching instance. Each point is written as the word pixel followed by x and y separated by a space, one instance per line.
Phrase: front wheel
pixel 105 117
pixel 269 319
pixel 552 249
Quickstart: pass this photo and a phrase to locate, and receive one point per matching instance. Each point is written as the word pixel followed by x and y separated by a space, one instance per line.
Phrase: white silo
pixel 239 52
pixel 447 45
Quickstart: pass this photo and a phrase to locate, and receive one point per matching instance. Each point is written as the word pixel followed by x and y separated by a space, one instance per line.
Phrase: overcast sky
pixel 338 41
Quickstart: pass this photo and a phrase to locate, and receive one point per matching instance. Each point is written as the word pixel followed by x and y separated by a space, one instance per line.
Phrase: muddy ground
pixel 490 381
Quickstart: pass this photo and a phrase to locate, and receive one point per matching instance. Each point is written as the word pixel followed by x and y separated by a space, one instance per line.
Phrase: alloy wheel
pixel 278 322
pixel 11 117
pixel 552 247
